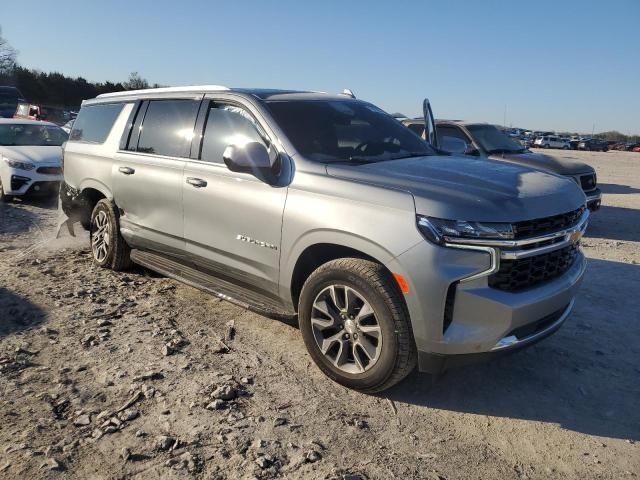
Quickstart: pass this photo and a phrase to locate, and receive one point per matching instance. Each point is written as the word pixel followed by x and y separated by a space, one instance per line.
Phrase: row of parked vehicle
pixel 428 244
pixel 552 140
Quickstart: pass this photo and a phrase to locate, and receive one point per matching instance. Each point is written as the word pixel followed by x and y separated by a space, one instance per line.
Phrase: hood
pixel 466 188
pixel 49 155
pixel 561 166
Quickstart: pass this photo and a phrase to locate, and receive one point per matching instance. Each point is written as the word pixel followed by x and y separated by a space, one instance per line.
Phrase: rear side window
pixel 227 125
pixel 94 122
pixel 167 127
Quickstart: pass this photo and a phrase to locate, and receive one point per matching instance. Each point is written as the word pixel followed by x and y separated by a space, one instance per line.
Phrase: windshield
pixel 21 134
pixel 493 140
pixel 345 131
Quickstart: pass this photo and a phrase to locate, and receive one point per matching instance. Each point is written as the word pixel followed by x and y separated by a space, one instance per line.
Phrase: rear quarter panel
pixel 90 165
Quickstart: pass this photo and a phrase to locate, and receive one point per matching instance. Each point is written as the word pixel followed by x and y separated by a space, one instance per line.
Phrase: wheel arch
pixel 312 254
pixel 78 204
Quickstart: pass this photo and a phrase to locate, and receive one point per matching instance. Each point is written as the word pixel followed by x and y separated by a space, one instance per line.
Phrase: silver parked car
pixel 325 208
pixel 486 141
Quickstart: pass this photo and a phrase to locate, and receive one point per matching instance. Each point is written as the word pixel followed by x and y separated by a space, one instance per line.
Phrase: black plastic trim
pixel 126 134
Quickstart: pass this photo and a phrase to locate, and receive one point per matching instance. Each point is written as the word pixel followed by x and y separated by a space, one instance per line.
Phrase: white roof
pixel 192 88
pixel 14 121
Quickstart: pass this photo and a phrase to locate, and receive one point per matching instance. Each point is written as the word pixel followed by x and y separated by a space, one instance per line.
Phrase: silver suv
pixel 324 208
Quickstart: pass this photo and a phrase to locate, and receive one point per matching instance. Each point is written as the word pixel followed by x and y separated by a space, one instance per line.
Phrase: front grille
pixel 49 170
pixel 523 273
pixel 588 182
pixel 542 226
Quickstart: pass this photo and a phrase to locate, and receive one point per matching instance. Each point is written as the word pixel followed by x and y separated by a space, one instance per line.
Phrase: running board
pixel 243 297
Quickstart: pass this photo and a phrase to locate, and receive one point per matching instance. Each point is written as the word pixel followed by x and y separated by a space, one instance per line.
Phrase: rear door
pixel 232 221
pixel 147 174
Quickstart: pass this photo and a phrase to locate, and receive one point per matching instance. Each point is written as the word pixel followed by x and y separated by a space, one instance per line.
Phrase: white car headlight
pixel 19 165
pixel 435 229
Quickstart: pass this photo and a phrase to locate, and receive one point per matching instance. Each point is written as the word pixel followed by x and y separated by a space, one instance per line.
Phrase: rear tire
pixel 108 248
pixel 365 312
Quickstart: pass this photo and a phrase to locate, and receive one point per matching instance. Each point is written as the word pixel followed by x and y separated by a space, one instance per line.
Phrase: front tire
pixel 3 196
pixel 356 326
pixel 108 248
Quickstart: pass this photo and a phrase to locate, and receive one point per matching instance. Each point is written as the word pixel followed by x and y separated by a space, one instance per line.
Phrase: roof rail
pixel 192 88
pixel 348 93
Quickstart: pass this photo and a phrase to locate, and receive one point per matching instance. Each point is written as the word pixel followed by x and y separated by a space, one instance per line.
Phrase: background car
pixel 552 141
pixel 30 157
pixel 68 126
pixel 10 97
pixel 486 141
pixel 593 144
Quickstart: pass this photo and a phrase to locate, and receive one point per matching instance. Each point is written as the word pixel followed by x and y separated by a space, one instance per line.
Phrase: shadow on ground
pixel 617 189
pixel 615 223
pixel 17 313
pixel 584 378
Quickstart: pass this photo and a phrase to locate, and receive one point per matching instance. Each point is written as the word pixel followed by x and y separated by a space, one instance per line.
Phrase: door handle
pixel 126 170
pixel 196 182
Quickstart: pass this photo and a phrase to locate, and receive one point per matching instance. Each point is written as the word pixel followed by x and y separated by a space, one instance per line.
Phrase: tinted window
pixel 345 130
pixel 167 126
pixel 417 128
pixel 447 131
pixel 94 122
pixel 227 125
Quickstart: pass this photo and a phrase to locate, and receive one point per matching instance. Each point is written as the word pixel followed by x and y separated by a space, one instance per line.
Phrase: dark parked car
pixel 486 141
pixel 9 99
pixel 593 144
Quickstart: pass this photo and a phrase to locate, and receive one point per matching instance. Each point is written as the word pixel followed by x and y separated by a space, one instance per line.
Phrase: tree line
pixel 56 89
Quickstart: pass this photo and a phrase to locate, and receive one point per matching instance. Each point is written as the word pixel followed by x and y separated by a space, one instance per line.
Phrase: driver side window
pixel 228 125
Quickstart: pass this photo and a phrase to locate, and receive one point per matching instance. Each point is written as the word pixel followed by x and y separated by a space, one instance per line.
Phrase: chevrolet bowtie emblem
pixel 575 236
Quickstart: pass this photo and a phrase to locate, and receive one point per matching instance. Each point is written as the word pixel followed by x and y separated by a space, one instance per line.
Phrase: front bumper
pixel 458 318
pixel 594 199
pixel 27 182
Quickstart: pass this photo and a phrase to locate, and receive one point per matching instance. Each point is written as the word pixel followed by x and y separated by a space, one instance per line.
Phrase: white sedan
pixel 30 157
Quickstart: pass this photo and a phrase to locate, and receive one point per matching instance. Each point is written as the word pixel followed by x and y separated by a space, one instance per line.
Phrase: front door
pixel 232 221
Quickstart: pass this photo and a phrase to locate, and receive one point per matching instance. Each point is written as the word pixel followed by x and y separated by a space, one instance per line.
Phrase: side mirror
pixel 253 157
pixel 453 145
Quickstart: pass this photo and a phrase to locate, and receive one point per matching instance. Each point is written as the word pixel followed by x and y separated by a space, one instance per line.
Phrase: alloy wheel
pixel 100 236
pixel 346 329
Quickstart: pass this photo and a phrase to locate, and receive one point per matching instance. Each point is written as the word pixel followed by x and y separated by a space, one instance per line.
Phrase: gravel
pixel 131 375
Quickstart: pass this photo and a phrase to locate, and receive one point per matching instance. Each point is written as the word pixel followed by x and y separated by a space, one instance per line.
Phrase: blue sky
pixel 555 65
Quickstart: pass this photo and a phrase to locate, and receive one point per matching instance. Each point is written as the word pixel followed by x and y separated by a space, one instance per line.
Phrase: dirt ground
pixel 109 375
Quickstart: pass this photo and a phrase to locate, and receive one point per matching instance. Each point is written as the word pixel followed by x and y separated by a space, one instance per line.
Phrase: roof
pixel 193 88
pixel 261 93
pixel 23 121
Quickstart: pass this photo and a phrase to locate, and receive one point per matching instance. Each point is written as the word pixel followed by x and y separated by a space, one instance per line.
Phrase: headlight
pixel 435 229
pixel 19 165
